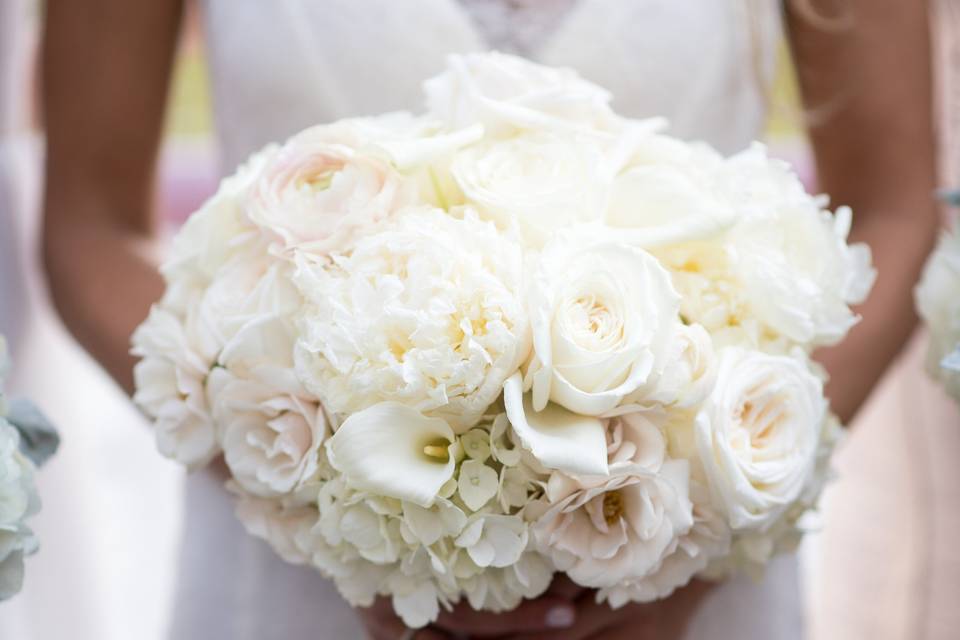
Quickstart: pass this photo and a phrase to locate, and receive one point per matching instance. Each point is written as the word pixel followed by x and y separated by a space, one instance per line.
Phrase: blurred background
pixel 886 565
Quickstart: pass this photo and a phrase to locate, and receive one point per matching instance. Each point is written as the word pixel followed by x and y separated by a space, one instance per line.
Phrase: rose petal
pixel 558 438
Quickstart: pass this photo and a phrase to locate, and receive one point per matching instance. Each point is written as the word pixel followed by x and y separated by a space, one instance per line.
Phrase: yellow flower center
pixel 612 506
pixel 437 450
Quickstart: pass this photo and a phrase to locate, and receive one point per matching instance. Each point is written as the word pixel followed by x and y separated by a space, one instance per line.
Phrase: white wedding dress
pixel 280 65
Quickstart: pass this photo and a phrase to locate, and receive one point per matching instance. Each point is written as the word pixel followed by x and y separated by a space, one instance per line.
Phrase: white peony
pixel 506 93
pixel 425 312
pixel 757 435
pixel 321 189
pixel 799 275
pixel 938 302
pixel 602 316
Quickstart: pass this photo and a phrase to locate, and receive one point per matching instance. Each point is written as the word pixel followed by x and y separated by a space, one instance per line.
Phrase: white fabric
pixel 279 66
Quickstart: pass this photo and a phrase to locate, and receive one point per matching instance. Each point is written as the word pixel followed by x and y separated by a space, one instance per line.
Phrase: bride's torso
pixel 279 66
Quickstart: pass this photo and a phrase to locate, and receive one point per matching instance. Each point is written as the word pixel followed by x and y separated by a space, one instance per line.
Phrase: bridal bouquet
pixel 446 356
pixel 938 301
pixel 26 440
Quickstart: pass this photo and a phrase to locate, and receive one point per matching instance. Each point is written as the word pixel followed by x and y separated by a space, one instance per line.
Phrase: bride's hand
pixel 663 620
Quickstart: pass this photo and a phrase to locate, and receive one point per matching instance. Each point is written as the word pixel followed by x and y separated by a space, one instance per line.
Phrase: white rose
pixel 604 531
pixel 602 316
pixel 272 429
pixel 938 302
pixel 757 434
pixel 689 371
pixel 319 191
pixel 506 93
pixel 707 539
pixel 426 312
pixel 537 182
pixel 666 192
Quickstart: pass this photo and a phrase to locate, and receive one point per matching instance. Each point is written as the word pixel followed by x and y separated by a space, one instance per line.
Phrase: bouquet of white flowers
pixel 446 356
pixel 938 301
pixel 26 440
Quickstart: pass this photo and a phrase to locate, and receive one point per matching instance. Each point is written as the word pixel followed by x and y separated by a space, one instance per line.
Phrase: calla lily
pixel 393 450
pixel 559 439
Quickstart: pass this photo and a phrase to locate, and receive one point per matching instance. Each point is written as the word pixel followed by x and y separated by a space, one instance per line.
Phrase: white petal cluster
pixel 427 312
pixel 18 497
pixel 447 356
pixel 938 302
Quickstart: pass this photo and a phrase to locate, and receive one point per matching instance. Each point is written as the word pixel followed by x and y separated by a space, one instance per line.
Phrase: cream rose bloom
pixel 757 435
pixel 506 93
pixel 271 429
pixel 323 188
pixel 537 182
pixel 666 192
pixel 425 312
pixel 602 315
pixel 604 531
pixel 938 301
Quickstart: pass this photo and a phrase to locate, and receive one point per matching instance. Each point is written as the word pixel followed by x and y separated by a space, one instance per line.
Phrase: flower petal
pixel 381 449
pixel 559 439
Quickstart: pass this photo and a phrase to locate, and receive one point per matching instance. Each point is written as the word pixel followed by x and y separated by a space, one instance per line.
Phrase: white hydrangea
pixel 18 501
pixel 18 497
pixel 938 301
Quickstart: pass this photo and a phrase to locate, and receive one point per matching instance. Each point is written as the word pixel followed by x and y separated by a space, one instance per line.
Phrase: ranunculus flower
pixel 602 316
pixel 938 301
pixel 319 191
pixel 426 312
pixel 757 434
pixel 506 93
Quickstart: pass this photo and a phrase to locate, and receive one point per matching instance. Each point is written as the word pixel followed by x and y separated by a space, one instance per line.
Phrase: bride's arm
pixel 106 68
pixel 865 74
